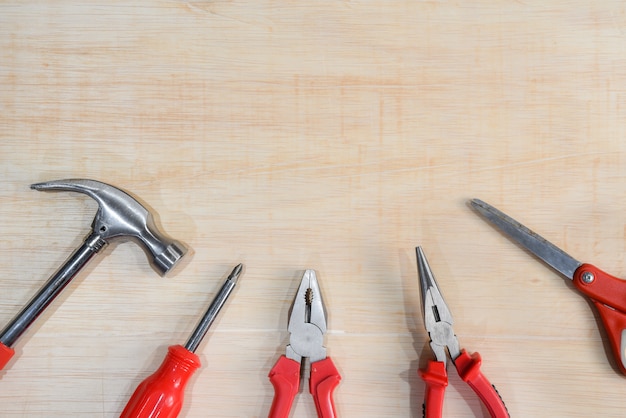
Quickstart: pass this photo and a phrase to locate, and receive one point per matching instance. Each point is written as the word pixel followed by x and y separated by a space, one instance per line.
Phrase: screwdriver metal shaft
pixel 205 323
pixel 161 394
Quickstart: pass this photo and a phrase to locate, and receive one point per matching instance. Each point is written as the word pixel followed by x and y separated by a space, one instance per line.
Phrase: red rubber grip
pixel 6 353
pixel 609 296
pixel 161 394
pixel 285 377
pixel 468 368
pixel 436 379
pixel 324 379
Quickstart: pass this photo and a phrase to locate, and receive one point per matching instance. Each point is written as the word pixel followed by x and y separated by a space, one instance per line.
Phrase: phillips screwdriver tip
pixel 234 275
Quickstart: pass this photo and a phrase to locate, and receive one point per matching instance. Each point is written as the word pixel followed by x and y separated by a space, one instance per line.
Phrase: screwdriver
pixel 161 394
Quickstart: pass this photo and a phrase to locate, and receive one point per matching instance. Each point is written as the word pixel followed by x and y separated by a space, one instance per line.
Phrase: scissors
pixel 438 322
pixel 608 293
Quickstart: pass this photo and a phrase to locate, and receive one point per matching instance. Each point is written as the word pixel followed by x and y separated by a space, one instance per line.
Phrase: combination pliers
pixel 307 326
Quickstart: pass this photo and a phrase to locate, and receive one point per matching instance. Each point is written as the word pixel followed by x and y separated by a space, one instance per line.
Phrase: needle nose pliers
pixel 307 326
pixel 438 322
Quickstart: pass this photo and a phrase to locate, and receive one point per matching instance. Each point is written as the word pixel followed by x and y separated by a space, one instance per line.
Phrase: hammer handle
pixel 79 258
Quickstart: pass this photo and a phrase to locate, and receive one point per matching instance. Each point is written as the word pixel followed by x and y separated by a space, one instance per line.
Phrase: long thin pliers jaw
pixel 437 317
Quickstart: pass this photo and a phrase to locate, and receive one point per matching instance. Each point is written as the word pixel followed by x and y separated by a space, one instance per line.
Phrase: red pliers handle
pixel 468 368
pixel 285 377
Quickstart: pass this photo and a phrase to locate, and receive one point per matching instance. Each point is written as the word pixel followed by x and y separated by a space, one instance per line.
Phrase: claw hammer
pixel 118 215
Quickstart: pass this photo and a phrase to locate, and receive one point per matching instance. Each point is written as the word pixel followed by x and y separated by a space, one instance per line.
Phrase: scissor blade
pixel 540 247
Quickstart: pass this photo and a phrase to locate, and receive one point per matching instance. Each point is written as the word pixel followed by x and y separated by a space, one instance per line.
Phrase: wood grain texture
pixel 334 135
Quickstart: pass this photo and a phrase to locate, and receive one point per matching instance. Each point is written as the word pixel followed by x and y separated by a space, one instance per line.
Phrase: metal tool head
pixel 437 317
pixel 120 215
pixel 307 321
pixel 531 241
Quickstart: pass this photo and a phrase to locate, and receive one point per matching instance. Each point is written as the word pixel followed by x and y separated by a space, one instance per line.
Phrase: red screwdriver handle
pixel 285 377
pixel 6 353
pixel 324 379
pixel 609 297
pixel 436 379
pixel 161 394
pixel 468 368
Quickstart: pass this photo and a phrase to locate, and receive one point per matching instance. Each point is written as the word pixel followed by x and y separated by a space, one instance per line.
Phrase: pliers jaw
pixel 307 322
pixel 437 317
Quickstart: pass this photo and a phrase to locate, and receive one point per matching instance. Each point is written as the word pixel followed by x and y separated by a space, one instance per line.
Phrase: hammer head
pixel 120 215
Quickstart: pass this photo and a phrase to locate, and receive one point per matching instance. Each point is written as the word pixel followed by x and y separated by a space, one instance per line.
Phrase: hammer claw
pixel 121 215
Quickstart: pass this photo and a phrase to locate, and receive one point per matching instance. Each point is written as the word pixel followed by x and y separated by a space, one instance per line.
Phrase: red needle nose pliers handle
pixel 436 379
pixel 468 368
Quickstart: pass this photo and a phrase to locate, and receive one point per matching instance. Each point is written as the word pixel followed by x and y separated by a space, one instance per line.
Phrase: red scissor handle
pixel 324 379
pixel 608 294
pixel 436 379
pixel 468 368
pixel 285 377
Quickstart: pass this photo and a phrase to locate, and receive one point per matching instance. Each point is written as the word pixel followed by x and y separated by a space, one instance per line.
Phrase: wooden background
pixel 334 135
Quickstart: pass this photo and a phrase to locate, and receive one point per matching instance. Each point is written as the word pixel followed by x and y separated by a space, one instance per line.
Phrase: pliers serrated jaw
pixel 307 321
